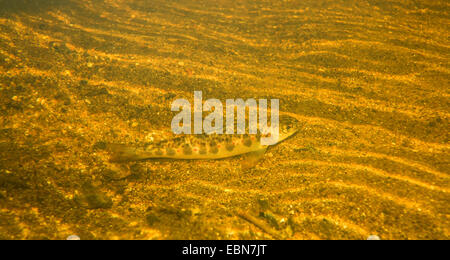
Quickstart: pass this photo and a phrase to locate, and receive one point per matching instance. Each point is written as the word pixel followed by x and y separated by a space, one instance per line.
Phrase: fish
pixel 201 147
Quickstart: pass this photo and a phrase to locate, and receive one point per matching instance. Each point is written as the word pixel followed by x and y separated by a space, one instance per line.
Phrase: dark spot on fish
pixel 159 153
pixel 162 143
pixel 170 152
pixel 213 148
pixel 187 149
pixel 248 142
pixel 203 149
pixel 230 147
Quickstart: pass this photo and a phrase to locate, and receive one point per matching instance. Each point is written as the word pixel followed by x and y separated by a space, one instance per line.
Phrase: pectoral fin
pixel 250 160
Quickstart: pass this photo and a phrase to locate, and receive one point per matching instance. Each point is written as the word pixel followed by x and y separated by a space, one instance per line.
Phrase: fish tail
pixel 125 153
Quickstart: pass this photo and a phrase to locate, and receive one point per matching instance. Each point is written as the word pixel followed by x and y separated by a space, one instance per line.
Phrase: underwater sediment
pixel 368 82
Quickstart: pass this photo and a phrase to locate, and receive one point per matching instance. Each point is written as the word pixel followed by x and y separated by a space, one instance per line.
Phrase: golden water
pixel 368 81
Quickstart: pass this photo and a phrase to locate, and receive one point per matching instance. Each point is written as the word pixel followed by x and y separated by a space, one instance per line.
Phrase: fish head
pixel 289 126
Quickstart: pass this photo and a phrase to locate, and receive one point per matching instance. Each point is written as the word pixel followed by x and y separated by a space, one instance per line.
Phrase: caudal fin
pixel 124 153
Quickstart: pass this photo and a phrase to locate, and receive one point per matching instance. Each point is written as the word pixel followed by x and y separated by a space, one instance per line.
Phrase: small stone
pixel 264 204
pixel 83 82
pixel 73 237
pixel 20 88
pixel 3 194
pixel 373 237
pixel 100 146
pixel 98 201
pixel 93 198
pixel 152 219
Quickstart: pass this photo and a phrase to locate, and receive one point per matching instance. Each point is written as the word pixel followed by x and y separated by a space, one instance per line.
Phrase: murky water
pixel 368 82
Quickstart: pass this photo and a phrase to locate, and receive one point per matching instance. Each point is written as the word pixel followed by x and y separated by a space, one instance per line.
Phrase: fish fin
pixel 252 159
pixel 124 153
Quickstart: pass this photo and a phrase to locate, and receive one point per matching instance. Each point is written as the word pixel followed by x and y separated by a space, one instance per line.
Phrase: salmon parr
pixel 201 147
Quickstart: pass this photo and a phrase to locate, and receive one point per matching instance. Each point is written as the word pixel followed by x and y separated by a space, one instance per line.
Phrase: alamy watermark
pixel 213 123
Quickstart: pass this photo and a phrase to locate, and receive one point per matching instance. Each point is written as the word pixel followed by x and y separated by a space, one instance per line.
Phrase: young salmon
pixel 201 147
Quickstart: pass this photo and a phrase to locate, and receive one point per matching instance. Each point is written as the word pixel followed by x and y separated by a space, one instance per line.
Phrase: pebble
pixel 73 237
pixel 373 237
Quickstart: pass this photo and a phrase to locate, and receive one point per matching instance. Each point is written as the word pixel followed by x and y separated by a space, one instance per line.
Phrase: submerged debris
pixel 92 198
